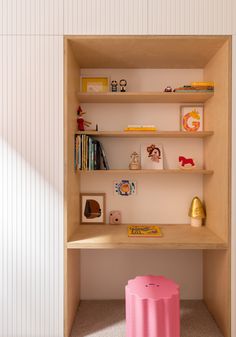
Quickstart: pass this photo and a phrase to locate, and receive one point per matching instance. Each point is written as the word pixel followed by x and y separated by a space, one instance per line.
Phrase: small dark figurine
pixel 80 121
pixel 123 84
pixel 114 86
pixel 168 89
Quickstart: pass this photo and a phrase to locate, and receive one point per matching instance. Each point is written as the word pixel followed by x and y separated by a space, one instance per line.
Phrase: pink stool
pixel 152 307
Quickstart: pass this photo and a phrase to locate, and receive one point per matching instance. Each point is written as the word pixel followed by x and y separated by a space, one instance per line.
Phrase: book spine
pixel 203 84
pixel 193 90
pixel 75 152
pixel 86 152
pixel 79 153
pixel 104 158
pixel 95 154
pixel 92 156
pixel 140 129
pixel 90 153
pixel 98 156
pixel 83 152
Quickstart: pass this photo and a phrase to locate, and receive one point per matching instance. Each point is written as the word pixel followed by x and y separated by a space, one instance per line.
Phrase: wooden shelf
pixel 165 171
pixel 174 237
pixel 155 52
pixel 144 97
pixel 144 51
pixel 150 134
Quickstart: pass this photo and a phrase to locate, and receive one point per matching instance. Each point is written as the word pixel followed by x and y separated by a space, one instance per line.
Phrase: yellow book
pixel 144 231
pixel 141 129
pixel 203 84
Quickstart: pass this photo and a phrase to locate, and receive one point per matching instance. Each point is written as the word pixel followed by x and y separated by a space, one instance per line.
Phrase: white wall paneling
pixel 29 17
pixel 149 17
pixel 105 17
pixel 190 17
pixel 31 180
pixel 31 137
pixel 55 17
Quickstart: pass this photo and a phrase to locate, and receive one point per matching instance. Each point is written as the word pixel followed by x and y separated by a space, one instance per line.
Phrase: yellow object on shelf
pixel 144 231
pixel 140 129
pixel 196 209
pixel 196 212
pixel 94 84
pixel 203 84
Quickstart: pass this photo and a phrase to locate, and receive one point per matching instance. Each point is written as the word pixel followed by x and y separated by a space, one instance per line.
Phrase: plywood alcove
pixel 211 54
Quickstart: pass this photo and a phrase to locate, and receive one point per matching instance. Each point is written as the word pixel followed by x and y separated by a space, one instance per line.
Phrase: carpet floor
pixel 107 319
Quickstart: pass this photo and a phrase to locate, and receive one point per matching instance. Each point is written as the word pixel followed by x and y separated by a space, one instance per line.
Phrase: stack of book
pixel 89 154
pixel 138 127
pixel 205 86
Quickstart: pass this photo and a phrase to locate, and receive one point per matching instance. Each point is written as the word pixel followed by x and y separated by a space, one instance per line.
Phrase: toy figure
pixel 186 162
pixel 123 84
pixel 114 86
pixel 135 162
pixel 196 212
pixel 168 89
pixel 80 121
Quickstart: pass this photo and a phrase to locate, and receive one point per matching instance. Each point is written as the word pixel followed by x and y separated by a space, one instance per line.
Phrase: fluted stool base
pixel 152 307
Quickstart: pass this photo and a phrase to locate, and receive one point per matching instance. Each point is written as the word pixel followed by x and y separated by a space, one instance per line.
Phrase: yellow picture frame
pixel 94 83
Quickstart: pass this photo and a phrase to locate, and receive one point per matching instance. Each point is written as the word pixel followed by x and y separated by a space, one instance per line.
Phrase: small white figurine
pixel 135 162
pixel 123 84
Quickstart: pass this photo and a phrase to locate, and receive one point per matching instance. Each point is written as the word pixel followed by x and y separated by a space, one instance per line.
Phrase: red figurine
pixel 80 121
pixel 186 162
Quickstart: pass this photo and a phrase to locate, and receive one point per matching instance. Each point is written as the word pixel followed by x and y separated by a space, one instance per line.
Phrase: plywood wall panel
pixel 233 197
pixel 31 180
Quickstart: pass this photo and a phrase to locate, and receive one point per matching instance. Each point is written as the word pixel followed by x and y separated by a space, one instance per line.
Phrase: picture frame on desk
pixel 94 84
pixel 191 118
pixel 92 208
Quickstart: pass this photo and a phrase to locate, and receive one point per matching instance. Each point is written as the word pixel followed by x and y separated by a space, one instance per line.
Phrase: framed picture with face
pixel 151 156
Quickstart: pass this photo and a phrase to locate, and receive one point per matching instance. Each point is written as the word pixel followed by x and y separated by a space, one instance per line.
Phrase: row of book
pixel 204 86
pixel 89 154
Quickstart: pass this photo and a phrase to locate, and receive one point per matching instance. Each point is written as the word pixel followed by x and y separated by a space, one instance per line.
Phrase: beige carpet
pixel 107 319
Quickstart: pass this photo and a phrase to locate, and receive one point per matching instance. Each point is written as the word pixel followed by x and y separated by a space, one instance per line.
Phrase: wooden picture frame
pixel 94 84
pixel 189 122
pixel 93 208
